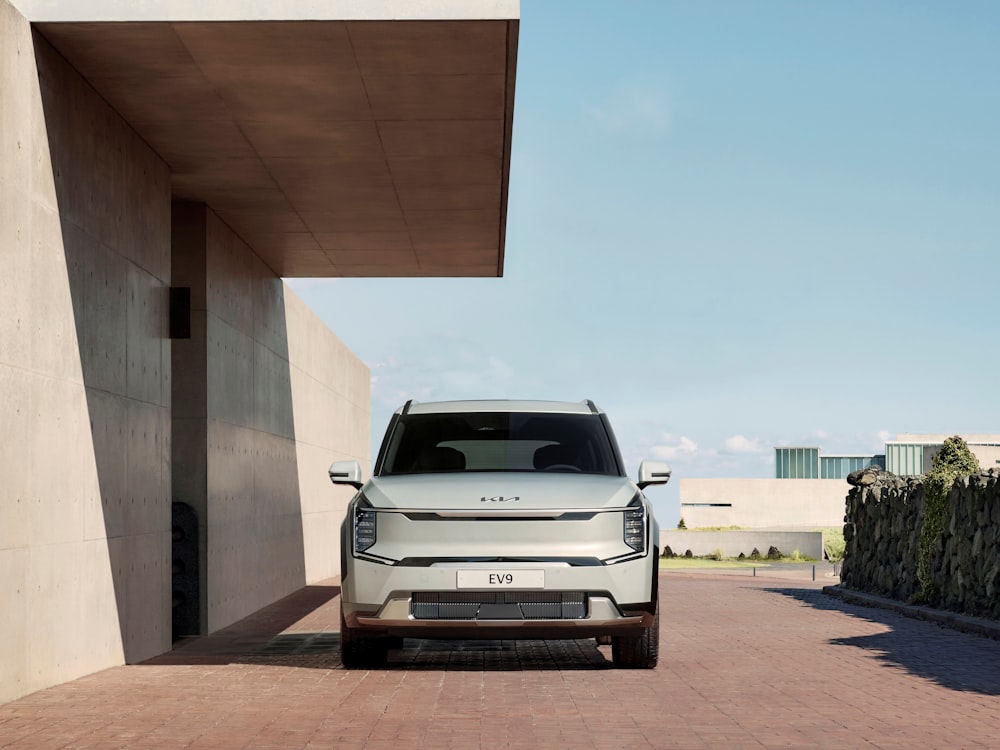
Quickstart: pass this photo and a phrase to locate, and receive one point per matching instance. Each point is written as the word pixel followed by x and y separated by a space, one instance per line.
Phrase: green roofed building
pixel 809 463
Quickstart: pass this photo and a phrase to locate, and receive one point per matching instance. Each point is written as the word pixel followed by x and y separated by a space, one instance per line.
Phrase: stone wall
pixel 882 533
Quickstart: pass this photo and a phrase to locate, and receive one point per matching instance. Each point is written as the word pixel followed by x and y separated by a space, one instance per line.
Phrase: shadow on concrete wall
pixel 954 660
pixel 108 187
pixel 234 451
pixel 218 435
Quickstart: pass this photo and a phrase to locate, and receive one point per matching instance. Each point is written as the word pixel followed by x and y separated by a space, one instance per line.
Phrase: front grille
pixel 499 605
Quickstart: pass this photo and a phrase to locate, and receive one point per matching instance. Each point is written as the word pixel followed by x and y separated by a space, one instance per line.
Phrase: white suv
pixel 499 519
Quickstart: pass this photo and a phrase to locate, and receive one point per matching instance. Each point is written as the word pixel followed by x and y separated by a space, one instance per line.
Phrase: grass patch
pixel 690 563
pixel 713 528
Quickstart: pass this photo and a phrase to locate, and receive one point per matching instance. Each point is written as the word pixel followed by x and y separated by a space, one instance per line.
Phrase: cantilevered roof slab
pixel 336 138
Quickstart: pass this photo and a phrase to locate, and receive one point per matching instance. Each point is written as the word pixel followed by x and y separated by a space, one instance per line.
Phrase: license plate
pixel 501 579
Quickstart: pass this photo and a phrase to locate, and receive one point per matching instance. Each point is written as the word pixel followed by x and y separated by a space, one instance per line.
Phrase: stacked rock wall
pixel 882 535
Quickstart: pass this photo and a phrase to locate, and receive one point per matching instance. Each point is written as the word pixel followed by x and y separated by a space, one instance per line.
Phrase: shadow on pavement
pixel 233 643
pixel 952 659
pixel 322 651
pixel 301 631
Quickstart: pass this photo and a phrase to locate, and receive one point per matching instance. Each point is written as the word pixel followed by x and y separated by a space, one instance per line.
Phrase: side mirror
pixel 346 472
pixel 653 472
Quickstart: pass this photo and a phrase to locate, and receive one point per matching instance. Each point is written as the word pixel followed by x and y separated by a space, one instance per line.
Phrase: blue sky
pixel 732 225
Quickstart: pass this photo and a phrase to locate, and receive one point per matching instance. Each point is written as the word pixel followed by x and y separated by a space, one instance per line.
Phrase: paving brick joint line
pixel 745 662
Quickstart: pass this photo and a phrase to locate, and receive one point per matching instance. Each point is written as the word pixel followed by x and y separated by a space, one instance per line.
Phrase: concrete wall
pixel 988 456
pixel 331 405
pixel 266 397
pixel 263 10
pixel 732 543
pixel 84 375
pixel 86 417
pixel 762 503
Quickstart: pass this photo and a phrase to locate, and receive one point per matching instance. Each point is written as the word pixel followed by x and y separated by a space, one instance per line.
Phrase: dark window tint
pixel 490 441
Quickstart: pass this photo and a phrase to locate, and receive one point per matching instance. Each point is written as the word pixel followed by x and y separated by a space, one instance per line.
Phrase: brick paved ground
pixel 747 662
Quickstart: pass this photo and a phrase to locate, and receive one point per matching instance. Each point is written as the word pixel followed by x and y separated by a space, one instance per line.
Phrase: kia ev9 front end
pixel 499 519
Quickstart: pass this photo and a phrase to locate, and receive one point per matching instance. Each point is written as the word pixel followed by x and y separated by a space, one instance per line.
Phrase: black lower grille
pixel 499 605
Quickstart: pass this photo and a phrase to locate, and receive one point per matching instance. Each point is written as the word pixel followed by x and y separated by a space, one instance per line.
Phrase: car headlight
pixel 365 526
pixel 635 525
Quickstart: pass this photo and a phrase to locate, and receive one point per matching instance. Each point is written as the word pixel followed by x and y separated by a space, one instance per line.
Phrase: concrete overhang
pixel 336 138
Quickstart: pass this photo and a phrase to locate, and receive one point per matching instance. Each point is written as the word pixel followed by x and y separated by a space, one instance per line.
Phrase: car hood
pixel 501 492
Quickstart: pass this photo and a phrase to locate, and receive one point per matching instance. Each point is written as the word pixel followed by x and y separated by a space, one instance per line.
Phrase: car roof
pixel 500 405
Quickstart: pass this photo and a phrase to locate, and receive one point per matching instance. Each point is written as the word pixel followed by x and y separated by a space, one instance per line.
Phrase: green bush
pixel 952 461
pixel 834 544
pixel 681 524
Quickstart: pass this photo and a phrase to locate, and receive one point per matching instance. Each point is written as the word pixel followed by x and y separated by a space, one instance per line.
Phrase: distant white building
pixel 911 454
pixel 809 487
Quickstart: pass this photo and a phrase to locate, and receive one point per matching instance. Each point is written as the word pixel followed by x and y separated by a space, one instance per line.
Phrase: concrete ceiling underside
pixel 333 148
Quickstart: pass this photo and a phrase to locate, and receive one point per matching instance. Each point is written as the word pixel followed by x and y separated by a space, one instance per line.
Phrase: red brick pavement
pixel 746 662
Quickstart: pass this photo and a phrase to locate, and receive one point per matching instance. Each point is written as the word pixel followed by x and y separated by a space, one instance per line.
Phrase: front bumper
pixel 620 600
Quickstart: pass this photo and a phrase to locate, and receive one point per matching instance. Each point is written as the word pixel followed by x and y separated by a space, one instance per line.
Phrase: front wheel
pixel 638 651
pixel 358 651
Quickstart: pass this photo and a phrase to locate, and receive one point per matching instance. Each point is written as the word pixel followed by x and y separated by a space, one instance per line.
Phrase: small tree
pixel 952 461
pixel 681 524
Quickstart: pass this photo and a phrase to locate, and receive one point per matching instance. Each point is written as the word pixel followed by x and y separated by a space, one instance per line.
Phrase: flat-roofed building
pixel 810 463
pixel 912 454
pixel 809 487
pixel 170 407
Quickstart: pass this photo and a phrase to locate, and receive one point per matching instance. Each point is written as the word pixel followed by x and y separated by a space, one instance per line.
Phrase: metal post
pixel 814 572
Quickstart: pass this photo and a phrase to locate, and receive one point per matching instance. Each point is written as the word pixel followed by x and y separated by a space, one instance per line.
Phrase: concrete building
pixel 809 463
pixel 912 454
pixel 762 503
pixel 169 406
pixel 809 487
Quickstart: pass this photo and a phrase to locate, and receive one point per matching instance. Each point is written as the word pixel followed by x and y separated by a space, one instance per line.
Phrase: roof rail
pixel 593 406
pixel 406 407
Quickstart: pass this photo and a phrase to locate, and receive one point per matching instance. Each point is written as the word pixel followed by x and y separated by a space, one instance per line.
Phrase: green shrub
pixel 834 544
pixel 681 524
pixel 952 461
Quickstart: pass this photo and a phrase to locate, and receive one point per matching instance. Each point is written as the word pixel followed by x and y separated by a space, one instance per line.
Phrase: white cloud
pixel 876 443
pixel 741 444
pixel 671 450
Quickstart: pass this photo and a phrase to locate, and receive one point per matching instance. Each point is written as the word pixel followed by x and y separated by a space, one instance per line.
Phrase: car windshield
pixel 500 441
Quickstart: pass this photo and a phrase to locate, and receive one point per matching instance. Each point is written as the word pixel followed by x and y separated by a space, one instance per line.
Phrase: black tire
pixel 638 651
pixel 358 651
